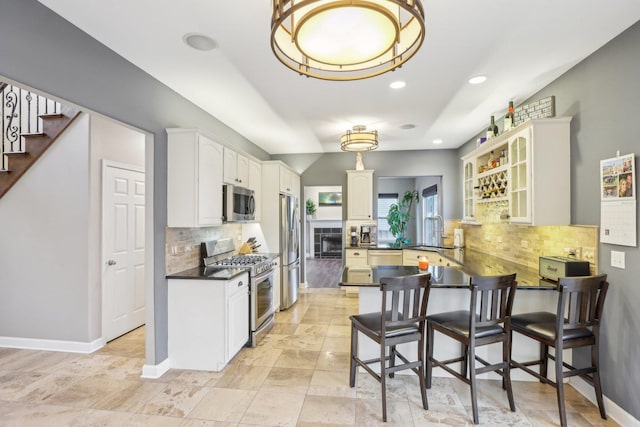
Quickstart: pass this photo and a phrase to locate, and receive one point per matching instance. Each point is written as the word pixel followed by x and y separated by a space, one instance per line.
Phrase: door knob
pixel 111 262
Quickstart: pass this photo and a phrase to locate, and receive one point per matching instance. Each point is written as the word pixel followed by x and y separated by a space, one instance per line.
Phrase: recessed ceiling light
pixel 437 141
pixel 199 41
pixel 477 80
pixel 407 126
pixel 397 85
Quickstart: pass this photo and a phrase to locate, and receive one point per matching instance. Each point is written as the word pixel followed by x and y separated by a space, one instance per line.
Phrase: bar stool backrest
pixel 408 296
pixel 495 294
pixel 580 302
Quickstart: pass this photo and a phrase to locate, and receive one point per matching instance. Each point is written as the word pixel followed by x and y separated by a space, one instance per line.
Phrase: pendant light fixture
pixel 359 139
pixel 346 39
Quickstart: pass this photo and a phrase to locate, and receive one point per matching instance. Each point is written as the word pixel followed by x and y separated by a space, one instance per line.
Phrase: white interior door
pixel 123 238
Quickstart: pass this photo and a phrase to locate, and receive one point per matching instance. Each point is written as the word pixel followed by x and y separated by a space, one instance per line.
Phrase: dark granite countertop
pixel 472 263
pixel 208 273
pixel 396 246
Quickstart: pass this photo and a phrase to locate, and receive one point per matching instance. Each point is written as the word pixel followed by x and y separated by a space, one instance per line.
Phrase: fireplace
pixel 327 243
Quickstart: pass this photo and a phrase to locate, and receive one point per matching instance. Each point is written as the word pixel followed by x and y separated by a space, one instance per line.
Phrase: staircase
pixel 30 124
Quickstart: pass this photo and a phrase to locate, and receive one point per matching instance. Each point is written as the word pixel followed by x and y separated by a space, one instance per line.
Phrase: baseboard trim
pixel 614 412
pixel 52 345
pixel 156 371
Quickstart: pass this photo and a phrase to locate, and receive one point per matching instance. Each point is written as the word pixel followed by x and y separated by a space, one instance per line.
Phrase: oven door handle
pixel 262 276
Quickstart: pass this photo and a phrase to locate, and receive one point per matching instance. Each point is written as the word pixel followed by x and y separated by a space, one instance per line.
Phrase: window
pixel 385 200
pixel 431 217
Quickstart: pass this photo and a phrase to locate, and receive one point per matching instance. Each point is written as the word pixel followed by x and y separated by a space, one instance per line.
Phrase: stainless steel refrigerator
pixel 289 251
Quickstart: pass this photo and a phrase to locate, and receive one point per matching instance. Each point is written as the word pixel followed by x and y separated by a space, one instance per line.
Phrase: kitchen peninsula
pixel 450 292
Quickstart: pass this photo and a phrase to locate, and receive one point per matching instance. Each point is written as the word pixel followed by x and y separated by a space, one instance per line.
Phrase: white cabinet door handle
pixel 111 262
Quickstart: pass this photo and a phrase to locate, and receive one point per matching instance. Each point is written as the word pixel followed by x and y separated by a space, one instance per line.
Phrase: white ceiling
pixel 520 45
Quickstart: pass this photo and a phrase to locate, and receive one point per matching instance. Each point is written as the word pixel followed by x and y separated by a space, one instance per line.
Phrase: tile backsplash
pixel 183 244
pixel 524 244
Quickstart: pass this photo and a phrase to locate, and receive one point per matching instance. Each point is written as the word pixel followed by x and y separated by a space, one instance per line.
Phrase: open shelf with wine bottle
pixel 493 185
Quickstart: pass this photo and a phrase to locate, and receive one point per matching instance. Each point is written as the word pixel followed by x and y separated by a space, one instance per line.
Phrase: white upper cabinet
pixel 236 168
pixel 194 179
pixel 526 169
pixel 360 195
pixel 289 182
pixel 540 191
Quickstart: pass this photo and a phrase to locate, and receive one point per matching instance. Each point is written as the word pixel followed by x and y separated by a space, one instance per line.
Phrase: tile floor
pixel 298 376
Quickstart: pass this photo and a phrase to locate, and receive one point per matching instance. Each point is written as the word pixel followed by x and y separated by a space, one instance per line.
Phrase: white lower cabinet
pixel 237 317
pixel 356 257
pixel 411 256
pixel 384 257
pixel 208 322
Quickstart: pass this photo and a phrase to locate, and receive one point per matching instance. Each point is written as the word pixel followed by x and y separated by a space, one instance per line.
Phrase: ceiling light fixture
pixel 437 141
pixel 199 41
pixel 477 80
pixel 397 84
pixel 359 139
pixel 346 39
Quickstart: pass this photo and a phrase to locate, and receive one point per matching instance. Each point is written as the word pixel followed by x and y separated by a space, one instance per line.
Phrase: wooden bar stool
pixel 401 320
pixel 576 323
pixel 486 322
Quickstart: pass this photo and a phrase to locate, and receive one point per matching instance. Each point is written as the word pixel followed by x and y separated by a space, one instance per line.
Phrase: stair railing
pixel 20 110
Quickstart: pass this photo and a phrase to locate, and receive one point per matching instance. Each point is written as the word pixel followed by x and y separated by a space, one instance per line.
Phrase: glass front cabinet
pixel 527 168
pixel 468 191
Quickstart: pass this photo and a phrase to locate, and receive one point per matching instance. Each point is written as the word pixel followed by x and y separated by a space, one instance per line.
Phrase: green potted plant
pixel 399 216
pixel 310 208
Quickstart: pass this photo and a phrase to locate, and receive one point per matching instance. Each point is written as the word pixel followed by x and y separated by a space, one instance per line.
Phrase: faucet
pixel 439 230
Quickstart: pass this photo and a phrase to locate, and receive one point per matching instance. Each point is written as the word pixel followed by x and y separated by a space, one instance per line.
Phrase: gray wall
pixel 601 94
pixel 45 267
pixel 40 49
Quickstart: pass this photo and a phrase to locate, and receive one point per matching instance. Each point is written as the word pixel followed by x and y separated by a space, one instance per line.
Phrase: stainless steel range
pixel 261 268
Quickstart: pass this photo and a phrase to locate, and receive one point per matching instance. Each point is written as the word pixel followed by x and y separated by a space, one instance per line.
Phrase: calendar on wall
pixel 618 200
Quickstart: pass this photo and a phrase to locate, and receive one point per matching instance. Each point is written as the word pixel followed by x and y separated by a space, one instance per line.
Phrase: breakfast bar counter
pixel 450 292
pixel 470 263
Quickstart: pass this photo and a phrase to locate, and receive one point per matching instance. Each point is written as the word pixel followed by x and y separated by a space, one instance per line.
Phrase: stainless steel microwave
pixel 238 204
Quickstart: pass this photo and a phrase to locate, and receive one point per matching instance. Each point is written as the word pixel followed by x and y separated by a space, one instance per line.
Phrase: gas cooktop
pixel 219 253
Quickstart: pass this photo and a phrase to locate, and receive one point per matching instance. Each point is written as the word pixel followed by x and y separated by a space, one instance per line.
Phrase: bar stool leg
pixel 430 332
pixel 506 372
pixel 421 372
pixel 595 362
pixel 392 359
pixel 464 351
pixel 383 381
pixel 471 351
pixel 354 350
pixel 560 387
pixel 544 361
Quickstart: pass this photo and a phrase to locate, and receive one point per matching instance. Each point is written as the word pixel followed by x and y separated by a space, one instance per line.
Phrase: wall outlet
pixel 524 244
pixel 617 259
pixel 589 254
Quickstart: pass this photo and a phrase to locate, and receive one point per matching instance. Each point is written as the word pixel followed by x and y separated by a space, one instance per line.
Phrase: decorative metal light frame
pixel 346 39
pixel 359 139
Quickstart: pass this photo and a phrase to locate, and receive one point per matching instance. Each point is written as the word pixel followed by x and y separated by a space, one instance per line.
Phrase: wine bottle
pixel 509 118
pixel 492 130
